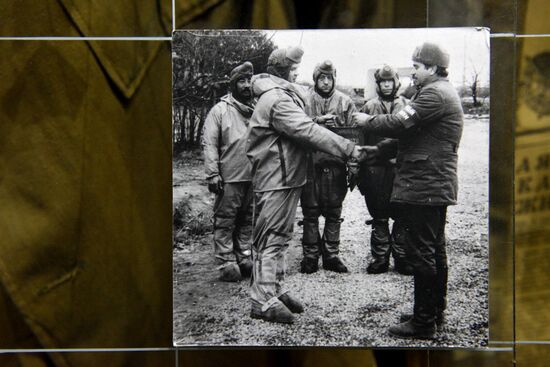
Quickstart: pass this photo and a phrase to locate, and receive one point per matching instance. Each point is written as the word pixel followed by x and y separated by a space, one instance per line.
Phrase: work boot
pixel 291 303
pixel 403 267
pixel 439 318
pixel 245 266
pixel 276 312
pixel 230 273
pixel 377 267
pixel 335 264
pixel 309 265
pixel 412 329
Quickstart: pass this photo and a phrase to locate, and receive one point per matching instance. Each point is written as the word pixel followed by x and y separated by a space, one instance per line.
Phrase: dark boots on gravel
pixel 245 266
pixel 422 325
pixel 291 303
pixel 230 273
pixel 411 329
pixel 309 265
pixel 380 246
pixel 335 264
pixel 276 312
pixel 439 318
pixel 377 267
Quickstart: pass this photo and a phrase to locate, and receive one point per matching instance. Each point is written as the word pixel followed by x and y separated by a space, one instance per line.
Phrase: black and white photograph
pixel 330 187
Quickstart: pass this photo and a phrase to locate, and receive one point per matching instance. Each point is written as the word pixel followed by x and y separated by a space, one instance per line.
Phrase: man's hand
pixel 360 119
pixel 329 120
pixel 372 152
pixel 215 184
pixel 368 153
pixel 358 155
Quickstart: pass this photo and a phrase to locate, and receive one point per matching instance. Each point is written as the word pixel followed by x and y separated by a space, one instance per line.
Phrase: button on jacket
pixel 428 131
pixel 280 132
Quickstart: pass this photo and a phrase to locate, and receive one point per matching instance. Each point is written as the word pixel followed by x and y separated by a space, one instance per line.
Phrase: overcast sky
pixel 353 52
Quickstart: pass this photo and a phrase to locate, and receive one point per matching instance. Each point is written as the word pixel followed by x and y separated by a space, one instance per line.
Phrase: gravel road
pixel 353 309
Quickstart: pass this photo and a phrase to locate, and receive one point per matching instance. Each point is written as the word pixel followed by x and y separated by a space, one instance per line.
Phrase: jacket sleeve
pixel 291 121
pixel 424 110
pixel 211 141
pixel 349 112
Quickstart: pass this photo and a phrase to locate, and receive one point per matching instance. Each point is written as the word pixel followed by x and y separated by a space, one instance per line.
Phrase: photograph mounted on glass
pixel 330 187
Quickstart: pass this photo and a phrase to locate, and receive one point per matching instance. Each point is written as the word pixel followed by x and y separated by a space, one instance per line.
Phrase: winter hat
pixel 431 54
pixel 326 67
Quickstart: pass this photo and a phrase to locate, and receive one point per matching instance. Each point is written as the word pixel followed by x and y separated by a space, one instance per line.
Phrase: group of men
pixel 268 145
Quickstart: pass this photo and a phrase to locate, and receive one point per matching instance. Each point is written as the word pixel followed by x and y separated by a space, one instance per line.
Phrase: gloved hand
pixel 372 152
pixel 360 119
pixel 328 120
pixel 215 184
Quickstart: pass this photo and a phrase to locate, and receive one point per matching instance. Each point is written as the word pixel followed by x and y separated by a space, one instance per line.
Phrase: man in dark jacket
pixel 376 180
pixel 428 133
pixel 228 175
pixel 326 185
pixel 278 137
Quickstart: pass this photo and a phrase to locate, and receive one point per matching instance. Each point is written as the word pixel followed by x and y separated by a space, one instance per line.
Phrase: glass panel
pixel 532 226
pixel 91 359
pixel 499 15
pixel 533 17
pixel 532 355
pixel 501 189
pixel 300 14
pixel 462 358
pixel 64 18
pixel 86 214
pixel 229 358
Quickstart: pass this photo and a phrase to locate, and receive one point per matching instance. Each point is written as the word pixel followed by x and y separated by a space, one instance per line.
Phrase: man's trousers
pixel 233 223
pixel 424 227
pixel 323 195
pixel 274 215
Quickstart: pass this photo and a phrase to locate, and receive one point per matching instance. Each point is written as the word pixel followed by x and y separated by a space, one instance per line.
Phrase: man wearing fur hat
pixel 428 133
pixel 376 180
pixel 326 185
pixel 280 132
pixel 228 175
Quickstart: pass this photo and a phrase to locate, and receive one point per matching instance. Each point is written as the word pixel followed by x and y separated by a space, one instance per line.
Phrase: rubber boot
pixel 335 264
pixel 380 245
pixel 330 244
pixel 310 244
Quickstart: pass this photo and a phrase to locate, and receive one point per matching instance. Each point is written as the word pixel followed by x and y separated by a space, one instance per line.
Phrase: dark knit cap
pixel 431 54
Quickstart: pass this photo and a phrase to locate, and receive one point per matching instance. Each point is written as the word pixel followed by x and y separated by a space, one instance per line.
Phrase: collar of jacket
pixel 124 63
pixel 243 109
pixel 262 83
pixel 432 79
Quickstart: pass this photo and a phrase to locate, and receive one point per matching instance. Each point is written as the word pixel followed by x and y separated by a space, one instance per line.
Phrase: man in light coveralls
pixel 279 135
pixel 228 175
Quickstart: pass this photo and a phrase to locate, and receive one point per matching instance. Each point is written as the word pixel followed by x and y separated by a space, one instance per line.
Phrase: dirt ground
pixel 353 309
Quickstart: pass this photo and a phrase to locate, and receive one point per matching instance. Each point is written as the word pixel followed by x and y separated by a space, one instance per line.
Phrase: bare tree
pixel 474 84
pixel 202 61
